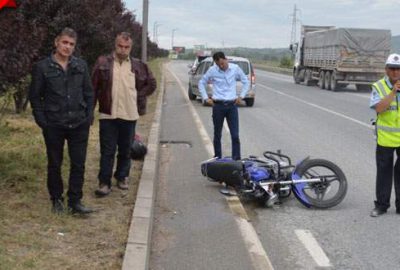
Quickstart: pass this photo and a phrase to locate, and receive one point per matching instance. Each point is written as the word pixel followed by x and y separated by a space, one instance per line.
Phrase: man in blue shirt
pixel 224 100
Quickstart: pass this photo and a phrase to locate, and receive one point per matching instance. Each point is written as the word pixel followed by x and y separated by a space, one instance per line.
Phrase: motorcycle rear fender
pixel 298 188
pixel 224 170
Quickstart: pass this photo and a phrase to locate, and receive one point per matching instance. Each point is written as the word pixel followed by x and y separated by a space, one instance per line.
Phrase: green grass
pixel 272 68
pixel 23 158
pixel 266 63
pixel 31 237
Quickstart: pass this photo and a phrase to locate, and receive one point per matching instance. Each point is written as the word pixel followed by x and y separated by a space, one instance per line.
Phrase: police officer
pixel 385 101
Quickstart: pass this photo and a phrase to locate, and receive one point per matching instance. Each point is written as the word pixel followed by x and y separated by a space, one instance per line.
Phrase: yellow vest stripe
pixel 390 129
pixel 381 87
pixel 388 121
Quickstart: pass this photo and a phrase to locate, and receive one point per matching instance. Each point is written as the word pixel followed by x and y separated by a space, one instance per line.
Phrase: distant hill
pixel 278 53
pixel 396 44
pixel 270 54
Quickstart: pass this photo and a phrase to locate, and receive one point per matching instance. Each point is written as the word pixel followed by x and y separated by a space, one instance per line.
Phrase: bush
pixel 286 62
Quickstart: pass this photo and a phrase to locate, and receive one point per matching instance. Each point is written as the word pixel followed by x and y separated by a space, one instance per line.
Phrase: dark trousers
pixel 384 176
pixel 113 133
pixel 230 112
pixel 77 141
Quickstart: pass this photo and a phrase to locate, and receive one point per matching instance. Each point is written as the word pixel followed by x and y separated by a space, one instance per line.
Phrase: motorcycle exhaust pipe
pixel 294 182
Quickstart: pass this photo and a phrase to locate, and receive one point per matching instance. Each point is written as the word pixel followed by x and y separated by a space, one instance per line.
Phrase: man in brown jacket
pixel 121 85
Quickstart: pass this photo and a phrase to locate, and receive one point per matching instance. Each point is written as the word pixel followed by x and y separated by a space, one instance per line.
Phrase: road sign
pixel 178 49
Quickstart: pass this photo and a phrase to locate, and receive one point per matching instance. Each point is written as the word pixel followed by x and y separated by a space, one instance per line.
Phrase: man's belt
pixel 224 102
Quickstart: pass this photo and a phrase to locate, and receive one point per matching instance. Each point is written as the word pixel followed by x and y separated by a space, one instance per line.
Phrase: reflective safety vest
pixel 388 121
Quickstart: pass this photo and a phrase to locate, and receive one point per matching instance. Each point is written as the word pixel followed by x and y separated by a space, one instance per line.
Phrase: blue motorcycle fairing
pixel 257 173
pixel 298 189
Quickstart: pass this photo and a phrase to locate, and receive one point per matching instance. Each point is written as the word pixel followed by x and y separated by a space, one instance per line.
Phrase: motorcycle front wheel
pixel 333 186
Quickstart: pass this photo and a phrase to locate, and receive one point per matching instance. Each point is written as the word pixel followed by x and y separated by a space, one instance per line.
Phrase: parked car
pixel 243 63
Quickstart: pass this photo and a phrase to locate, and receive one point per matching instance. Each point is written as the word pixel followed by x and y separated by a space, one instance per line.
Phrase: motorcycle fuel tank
pixel 257 173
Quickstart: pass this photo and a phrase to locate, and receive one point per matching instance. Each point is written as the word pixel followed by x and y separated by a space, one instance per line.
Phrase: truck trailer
pixel 333 57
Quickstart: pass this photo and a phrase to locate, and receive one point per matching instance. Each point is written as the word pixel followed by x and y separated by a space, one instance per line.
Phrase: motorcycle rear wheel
pixel 332 179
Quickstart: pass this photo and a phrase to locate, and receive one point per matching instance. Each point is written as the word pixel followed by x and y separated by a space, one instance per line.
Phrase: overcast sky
pixel 257 23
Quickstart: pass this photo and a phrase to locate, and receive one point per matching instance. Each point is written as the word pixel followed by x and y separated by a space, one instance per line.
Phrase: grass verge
pixel 31 237
pixel 272 68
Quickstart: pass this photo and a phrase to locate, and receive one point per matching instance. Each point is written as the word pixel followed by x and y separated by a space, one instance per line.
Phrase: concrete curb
pixel 138 246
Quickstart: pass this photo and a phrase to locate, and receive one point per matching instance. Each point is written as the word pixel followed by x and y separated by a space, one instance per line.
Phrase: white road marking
pixel 313 248
pixel 256 251
pixel 317 106
pixel 287 78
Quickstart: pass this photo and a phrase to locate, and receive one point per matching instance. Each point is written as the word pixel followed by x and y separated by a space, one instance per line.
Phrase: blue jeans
pixel 77 140
pixel 115 133
pixel 230 112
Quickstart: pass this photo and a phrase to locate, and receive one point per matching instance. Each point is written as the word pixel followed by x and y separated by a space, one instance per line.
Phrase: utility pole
pixel 294 25
pixel 155 30
pixel 172 38
pixel 144 29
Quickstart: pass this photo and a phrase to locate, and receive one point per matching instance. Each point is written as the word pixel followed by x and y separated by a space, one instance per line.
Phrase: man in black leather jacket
pixel 61 97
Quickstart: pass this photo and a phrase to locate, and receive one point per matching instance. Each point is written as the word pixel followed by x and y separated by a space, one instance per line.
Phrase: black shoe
pixel 376 212
pixel 58 206
pixel 103 190
pixel 123 184
pixel 79 208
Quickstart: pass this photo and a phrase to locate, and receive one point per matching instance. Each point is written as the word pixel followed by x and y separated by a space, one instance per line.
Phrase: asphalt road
pixel 307 121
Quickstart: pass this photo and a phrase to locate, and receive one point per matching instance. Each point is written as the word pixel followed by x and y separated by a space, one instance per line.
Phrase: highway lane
pixel 304 121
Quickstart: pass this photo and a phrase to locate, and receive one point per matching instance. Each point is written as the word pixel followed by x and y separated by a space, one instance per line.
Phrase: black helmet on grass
pixel 138 150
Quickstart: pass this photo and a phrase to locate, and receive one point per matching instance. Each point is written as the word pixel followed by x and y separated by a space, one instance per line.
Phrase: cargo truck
pixel 333 57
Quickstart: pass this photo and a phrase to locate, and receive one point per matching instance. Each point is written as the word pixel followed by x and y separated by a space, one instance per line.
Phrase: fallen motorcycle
pixel 315 183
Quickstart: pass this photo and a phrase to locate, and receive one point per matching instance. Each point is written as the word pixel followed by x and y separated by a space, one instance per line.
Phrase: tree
pixel 28 33
pixel 17 54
